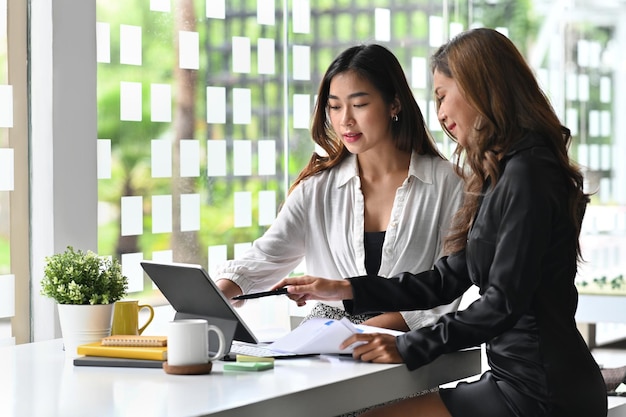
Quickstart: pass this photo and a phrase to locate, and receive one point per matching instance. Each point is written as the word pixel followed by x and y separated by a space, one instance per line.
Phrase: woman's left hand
pixel 374 347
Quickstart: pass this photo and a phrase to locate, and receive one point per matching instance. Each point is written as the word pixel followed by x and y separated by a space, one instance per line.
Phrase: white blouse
pixel 322 222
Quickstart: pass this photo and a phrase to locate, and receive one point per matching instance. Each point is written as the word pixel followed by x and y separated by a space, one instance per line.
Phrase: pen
pixel 277 291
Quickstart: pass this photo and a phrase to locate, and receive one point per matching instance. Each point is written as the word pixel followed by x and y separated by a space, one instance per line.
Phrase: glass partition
pixel 192 157
pixel 204 110
pixel 593 86
pixel 204 107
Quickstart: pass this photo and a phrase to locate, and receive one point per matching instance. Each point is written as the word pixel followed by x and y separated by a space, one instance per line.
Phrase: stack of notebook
pixel 124 351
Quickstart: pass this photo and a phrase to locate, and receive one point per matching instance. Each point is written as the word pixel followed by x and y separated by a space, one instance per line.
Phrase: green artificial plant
pixel 77 277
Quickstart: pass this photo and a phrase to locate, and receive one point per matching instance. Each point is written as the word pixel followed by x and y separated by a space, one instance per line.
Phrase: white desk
pixel 37 380
pixel 598 308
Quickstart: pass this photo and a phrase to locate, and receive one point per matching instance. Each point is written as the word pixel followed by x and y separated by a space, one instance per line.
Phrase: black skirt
pixel 493 397
pixel 488 397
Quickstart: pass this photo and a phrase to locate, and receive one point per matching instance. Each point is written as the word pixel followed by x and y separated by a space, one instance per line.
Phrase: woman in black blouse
pixel 515 237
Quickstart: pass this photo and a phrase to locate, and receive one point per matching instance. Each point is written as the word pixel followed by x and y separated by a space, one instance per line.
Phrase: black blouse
pixel 521 253
pixel 373 242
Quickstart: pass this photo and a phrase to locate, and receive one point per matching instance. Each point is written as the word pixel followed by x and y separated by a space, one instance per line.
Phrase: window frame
pixel 63 133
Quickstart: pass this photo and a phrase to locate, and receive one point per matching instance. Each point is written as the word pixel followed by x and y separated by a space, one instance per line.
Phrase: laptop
pixel 193 294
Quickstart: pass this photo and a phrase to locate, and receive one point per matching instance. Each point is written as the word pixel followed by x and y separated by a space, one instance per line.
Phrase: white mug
pixel 188 342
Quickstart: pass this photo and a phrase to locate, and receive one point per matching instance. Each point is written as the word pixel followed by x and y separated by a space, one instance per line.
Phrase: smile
pixel 351 137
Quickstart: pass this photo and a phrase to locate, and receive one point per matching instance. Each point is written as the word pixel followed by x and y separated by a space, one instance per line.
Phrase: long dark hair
pixel 496 81
pixel 381 68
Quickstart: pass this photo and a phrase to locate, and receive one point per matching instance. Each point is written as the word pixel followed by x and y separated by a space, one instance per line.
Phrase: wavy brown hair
pixel 495 80
pixel 381 68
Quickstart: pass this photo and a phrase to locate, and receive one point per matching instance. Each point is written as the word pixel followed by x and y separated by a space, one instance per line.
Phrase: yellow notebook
pixel 134 340
pixel 158 353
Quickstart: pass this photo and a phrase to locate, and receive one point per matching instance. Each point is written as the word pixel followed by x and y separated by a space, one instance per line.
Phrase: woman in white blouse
pixel 377 203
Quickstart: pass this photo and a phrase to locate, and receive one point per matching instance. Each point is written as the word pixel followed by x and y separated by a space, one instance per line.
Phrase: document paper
pixel 319 335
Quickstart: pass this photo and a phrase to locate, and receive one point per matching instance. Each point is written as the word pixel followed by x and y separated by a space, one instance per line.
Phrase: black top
pixel 521 253
pixel 373 242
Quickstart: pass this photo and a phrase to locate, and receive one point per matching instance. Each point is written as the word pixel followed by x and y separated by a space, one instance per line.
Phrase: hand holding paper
pixel 374 347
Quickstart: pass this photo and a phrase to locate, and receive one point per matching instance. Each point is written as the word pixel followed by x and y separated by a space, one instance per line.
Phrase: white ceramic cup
pixel 188 342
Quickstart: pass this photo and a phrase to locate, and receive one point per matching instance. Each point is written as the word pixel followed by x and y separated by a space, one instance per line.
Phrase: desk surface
pixel 38 380
pixel 597 308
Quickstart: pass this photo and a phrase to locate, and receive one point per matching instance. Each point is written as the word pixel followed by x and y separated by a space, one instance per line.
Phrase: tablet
pixel 193 294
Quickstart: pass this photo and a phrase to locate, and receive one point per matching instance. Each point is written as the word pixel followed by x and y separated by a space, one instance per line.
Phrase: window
pixel 7 280
pixel 14 187
pixel 203 114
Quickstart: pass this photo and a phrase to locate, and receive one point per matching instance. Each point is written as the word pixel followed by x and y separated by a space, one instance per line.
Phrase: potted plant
pixel 85 286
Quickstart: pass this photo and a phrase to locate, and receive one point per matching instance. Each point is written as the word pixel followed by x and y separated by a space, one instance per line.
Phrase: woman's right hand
pixel 304 288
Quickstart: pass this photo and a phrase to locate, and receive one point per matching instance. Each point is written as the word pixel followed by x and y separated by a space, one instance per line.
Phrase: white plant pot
pixel 84 324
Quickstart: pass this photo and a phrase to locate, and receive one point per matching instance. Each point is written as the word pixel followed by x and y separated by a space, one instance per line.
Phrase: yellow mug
pixel 126 317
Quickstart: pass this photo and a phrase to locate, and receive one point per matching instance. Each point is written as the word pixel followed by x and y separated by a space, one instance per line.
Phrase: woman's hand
pixel 374 347
pixel 304 288
pixel 230 290
pixel 390 320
